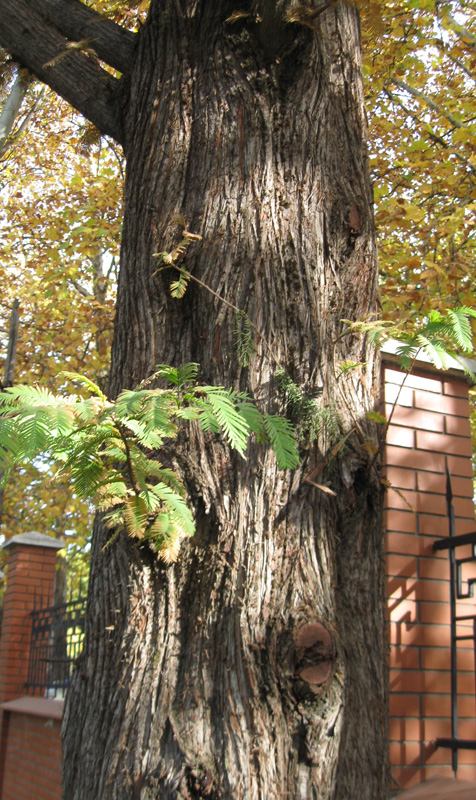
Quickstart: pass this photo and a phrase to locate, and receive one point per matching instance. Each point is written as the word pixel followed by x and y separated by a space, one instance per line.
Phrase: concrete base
pixel 439 788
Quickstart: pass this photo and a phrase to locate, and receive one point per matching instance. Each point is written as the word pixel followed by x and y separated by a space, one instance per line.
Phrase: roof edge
pixel 34 539
pixel 457 367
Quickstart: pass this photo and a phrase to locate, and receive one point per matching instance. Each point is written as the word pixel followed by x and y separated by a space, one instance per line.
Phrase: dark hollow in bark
pixel 194 681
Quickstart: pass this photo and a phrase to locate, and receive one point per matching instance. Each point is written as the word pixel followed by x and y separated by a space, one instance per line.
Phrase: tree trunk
pixel 255 666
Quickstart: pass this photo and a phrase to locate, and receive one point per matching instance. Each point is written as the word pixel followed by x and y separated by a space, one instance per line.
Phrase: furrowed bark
pixel 201 680
pixel 78 78
pixel 112 43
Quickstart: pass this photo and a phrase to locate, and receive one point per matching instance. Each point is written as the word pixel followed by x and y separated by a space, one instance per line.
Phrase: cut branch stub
pixel 315 654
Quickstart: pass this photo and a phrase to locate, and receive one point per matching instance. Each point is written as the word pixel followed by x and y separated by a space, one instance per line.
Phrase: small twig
pixel 130 468
pixel 80 289
pixel 111 268
pixel 394 405
pixel 117 156
pixel 303 14
pixel 309 478
pixel 321 487
pixel 407 374
pixel 237 310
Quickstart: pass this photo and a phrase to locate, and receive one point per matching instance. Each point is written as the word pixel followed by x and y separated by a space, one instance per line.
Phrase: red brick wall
pixel 32 768
pixel 30 744
pixel 429 431
pixel 31 574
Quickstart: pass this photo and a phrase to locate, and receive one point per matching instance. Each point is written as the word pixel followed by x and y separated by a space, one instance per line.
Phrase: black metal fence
pixel 460 589
pixel 57 635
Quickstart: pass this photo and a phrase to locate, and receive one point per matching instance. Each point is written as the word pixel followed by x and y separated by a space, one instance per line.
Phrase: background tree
pixel 60 225
pixel 59 236
pixel 421 71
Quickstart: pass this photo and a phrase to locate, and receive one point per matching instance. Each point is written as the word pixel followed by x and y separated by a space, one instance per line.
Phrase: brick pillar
pixel 30 578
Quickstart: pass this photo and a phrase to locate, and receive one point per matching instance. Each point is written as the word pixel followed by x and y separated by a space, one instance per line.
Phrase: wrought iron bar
pixel 57 635
pixel 450 543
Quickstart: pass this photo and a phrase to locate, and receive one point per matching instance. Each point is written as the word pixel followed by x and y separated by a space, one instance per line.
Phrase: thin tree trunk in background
pixel 9 370
pixel 11 108
pixel 11 111
pixel 254 668
pixel 61 581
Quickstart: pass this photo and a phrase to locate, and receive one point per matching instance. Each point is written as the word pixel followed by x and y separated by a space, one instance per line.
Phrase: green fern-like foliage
pixel 312 418
pixel 441 336
pixel 111 451
pixel 245 343
pixel 179 287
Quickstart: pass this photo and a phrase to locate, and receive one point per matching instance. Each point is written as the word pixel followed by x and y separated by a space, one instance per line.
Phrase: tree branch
pixel 446 53
pixel 78 78
pixel 460 30
pixel 112 43
pixel 424 98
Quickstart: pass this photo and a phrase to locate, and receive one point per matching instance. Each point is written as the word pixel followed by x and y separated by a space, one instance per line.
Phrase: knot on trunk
pixel 315 655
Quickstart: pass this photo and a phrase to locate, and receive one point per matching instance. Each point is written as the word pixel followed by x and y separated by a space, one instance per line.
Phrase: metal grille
pixel 459 590
pixel 57 635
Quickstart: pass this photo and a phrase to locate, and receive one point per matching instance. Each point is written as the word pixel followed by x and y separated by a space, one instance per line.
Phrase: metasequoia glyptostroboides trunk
pixel 253 668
